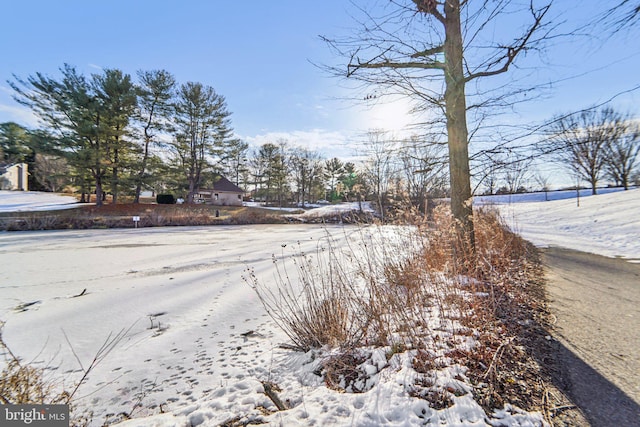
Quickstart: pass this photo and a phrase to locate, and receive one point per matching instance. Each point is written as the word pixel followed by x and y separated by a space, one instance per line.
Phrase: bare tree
pixel 51 171
pixel 543 181
pixel 415 46
pixel 579 141
pixel 379 166
pixel 306 166
pixel 233 159
pixel 622 152
pixel 516 172
pixel 423 167
pixel 623 14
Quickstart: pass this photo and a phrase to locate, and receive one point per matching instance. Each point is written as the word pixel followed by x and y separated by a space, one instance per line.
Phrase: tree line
pixel 108 134
pixel 592 145
pixel 388 171
pixel 114 134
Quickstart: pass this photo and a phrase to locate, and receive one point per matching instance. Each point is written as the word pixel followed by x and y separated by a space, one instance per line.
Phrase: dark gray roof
pixel 223 184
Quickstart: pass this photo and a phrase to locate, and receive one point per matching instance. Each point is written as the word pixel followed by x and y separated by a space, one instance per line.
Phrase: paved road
pixel 596 301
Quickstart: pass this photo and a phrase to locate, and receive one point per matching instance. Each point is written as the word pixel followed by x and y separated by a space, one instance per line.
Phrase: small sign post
pixel 136 219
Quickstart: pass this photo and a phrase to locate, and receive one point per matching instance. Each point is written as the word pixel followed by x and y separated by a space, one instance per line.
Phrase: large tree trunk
pixel 99 192
pixel 114 177
pixel 143 168
pixel 456 115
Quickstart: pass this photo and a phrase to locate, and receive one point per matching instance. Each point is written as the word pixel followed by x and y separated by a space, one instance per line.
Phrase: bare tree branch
pixel 513 51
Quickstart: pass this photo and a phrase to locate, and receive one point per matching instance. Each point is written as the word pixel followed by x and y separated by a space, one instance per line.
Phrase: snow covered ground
pixel 19 201
pixel 606 224
pixel 198 344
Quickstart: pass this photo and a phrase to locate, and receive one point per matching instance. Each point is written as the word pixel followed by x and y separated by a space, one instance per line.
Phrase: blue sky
pixel 259 55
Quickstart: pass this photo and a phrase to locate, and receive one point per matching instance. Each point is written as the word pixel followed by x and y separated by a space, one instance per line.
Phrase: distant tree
pixel 423 168
pixel 379 167
pixel 52 172
pixel 622 152
pixel 155 91
pixel 350 179
pixel 233 160
pixel 333 173
pixel 271 171
pixel 579 141
pixel 201 126
pixel 543 182
pixel 516 171
pixel 280 172
pixel 306 166
pixel 15 143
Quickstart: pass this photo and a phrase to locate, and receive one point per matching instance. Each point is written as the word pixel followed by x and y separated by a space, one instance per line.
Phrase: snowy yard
pixel 199 344
pixel 22 201
pixel 607 224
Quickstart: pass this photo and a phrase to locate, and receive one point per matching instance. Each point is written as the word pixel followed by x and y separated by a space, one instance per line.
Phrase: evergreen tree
pixel 202 127
pixel 155 91
pixel 117 97
pixel 333 172
pixel 88 119
pixel 15 143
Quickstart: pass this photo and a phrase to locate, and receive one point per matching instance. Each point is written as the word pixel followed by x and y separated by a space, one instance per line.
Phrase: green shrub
pixel 165 199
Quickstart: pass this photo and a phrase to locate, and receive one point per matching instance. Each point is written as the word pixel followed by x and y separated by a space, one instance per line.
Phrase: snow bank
pixel 605 224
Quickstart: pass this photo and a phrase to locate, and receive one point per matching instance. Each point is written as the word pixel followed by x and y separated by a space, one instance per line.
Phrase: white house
pixel 14 177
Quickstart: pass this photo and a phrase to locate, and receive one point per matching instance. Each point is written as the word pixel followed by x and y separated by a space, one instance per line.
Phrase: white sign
pixel 136 218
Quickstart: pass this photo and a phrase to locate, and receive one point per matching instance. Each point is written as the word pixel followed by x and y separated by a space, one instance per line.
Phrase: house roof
pixel 223 184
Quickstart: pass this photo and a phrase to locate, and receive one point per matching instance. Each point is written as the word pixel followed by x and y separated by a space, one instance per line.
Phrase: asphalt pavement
pixel 596 304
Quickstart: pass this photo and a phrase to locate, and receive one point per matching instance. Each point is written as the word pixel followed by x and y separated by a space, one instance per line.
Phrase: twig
pixel 107 346
pixel 563 407
pixel 496 355
pixel 271 394
pixel 84 291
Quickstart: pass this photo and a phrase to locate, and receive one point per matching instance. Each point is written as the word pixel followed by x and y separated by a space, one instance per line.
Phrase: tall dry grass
pixel 23 382
pixel 372 291
pixel 400 287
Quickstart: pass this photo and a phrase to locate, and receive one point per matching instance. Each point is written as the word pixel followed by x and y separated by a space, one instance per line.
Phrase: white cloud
pixel 21 115
pixel 328 143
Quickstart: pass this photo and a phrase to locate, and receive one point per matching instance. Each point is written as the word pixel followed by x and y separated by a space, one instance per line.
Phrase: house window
pixel 239 197
pixel 215 196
